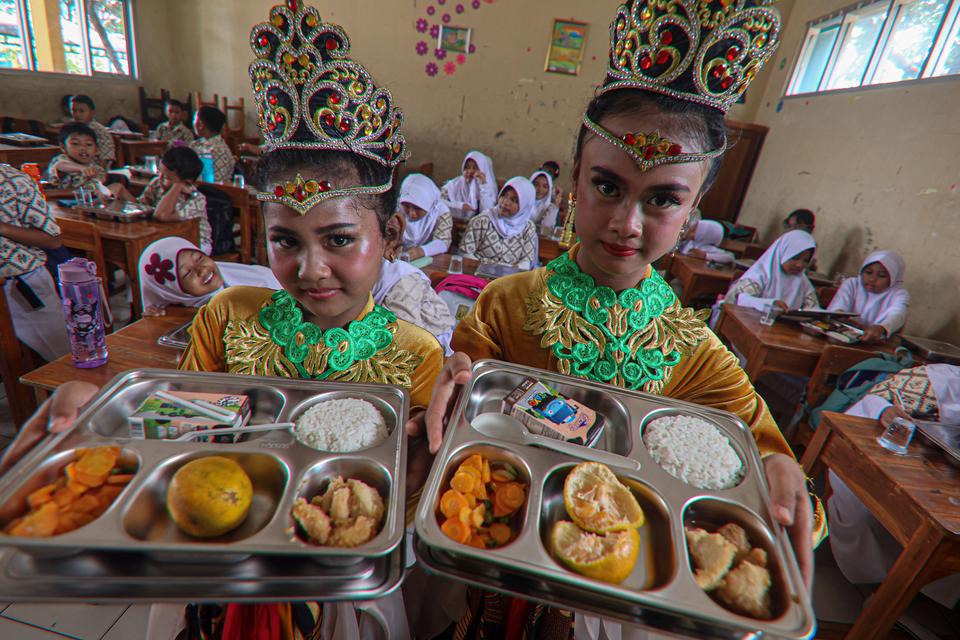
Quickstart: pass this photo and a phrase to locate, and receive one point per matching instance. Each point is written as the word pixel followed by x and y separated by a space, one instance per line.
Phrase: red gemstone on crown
pixel 666 38
pixel 630 139
pixel 344 125
pixel 324 186
pixel 272 126
pixel 278 118
pixel 330 44
pixel 262 41
pixel 293 5
pixel 732 53
pixel 334 99
pixel 645 62
pixel 674 150
pixel 329 120
pixel 649 151
pixel 718 71
pixel 272 99
pixel 726 82
pixel 663 57
pixel 298 193
pixel 279 191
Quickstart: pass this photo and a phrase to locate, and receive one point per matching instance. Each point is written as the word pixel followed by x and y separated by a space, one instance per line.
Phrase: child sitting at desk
pixel 505 234
pixel 85 112
pixel 175 130
pixel 702 240
pixel 429 225
pixel 778 276
pixel 877 296
pixel 473 191
pixel 547 207
pixel 208 123
pixel 77 166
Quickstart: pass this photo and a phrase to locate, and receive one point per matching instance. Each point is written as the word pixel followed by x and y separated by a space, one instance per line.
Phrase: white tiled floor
pixel 73 620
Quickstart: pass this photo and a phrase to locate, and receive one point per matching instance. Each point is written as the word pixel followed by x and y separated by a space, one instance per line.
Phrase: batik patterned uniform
pixel 73 180
pixel 190 204
pixel 482 242
pixel 179 133
pixel 22 205
pixel 223 160
pixel 106 152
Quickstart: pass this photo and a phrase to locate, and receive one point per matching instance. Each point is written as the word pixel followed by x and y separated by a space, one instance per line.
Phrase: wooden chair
pixel 197 101
pixel 22 125
pixel 152 109
pixel 825 295
pixel 15 361
pixel 243 212
pixel 79 235
pixel 236 120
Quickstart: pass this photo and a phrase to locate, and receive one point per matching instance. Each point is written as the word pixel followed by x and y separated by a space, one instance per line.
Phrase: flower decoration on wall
pixel 422 48
pixel 475 4
pixel 431 10
pixel 435 21
pixel 450 68
pixel 440 54
pixel 432 69
pixel 459 8
pixel 422 25
pixel 434 31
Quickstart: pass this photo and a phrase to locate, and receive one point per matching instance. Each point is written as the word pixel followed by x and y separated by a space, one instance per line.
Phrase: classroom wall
pixel 500 100
pixel 37 95
pixel 880 168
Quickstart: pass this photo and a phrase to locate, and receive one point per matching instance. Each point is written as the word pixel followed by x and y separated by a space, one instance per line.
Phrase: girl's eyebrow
pixel 338 226
pixel 603 172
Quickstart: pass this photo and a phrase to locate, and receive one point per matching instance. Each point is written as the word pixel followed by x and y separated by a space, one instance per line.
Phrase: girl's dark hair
pixel 803 216
pixel 336 166
pixel 184 162
pixel 703 124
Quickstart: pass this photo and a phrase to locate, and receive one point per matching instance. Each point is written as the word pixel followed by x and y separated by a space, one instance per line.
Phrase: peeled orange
pixel 209 496
pixel 609 558
pixel 598 502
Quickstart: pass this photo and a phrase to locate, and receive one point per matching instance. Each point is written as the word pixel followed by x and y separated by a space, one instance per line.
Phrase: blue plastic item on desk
pixel 207 174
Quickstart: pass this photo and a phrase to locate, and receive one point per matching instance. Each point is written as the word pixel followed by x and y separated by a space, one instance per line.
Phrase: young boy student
pixel 175 129
pixel 77 166
pixel 208 124
pixel 26 229
pixel 174 195
pixel 84 112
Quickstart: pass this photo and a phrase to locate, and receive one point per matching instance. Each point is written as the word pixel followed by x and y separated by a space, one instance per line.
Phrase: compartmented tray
pixel 281 469
pixel 118 211
pixel 177 338
pixel 946 437
pixel 660 592
pixel 933 350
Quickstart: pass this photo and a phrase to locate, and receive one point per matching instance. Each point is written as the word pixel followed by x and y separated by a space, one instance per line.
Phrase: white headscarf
pixel 945 380
pixel 777 283
pixel 390 274
pixel 160 281
pixel 419 190
pixel 459 191
pixel 544 203
pixel 708 233
pixel 527 197
pixel 872 307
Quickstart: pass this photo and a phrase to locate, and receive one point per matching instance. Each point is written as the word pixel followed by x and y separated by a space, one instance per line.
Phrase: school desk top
pixel 700 279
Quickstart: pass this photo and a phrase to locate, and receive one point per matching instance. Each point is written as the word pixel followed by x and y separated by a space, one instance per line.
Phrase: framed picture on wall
pixel 565 52
pixel 455 39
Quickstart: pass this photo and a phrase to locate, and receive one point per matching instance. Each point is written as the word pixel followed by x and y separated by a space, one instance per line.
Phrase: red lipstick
pixel 620 251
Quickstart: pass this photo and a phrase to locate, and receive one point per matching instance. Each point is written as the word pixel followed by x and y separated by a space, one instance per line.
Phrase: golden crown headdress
pixel 311 95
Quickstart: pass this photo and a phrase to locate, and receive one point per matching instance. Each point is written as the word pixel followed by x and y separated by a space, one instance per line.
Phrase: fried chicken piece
pixel 712 556
pixel 353 534
pixel 757 556
pixel 340 505
pixel 746 590
pixel 326 500
pixel 738 538
pixel 366 501
pixel 313 520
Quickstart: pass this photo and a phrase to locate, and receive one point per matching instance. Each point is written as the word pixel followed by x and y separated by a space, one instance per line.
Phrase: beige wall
pixel 881 168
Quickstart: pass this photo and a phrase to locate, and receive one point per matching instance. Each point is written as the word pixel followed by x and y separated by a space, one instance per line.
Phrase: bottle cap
pixel 77 270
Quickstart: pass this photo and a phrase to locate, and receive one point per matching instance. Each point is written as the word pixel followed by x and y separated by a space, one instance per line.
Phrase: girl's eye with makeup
pixel 664 200
pixel 606 189
pixel 283 242
pixel 340 241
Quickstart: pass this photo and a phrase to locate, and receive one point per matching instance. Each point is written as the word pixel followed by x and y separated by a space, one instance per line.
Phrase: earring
pixel 569 234
pixel 683 232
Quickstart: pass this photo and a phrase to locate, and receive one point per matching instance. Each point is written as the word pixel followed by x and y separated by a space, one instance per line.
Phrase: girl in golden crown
pixel 650 146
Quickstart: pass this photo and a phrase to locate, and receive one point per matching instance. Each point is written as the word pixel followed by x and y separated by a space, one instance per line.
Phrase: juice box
pixel 546 412
pixel 161 419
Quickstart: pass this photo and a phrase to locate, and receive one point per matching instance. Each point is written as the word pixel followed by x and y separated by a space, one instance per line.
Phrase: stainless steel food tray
pixel 178 337
pixel 661 592
pixel 933 350
pixel 944 436
pixel 117 211
pixel 280 467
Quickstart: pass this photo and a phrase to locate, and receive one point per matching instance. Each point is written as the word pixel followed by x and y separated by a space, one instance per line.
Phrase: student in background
pixel 702 240
pixel 429 225
pixel 26 229
pixel 506 233
pixel 175 272
pixel 800 219
pixel 547 207
pixel 77 166
pixel 877 296
pixel 208 123
pixel 84 111
pixel 175 129
pixel 552 167
pixel 778 276
pixel 174 195
pixel 473 191
pixel 406 291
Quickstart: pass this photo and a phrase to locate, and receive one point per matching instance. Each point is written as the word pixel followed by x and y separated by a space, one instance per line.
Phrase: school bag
pixel 220 217
pixel 854 383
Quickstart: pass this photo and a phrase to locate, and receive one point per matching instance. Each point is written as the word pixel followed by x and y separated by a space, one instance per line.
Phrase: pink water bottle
pixel 83 312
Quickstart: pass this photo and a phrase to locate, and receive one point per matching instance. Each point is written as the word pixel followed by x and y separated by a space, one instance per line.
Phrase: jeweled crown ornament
pixel 311 95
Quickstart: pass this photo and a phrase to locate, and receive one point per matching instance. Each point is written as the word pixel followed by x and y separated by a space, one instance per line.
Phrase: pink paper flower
pixel 440 54
pixel 473 48
pixel 432 69
pixel 431 10
pixel 435 31
pixel 160 268
pixel 461 58
pixel 422 25
pixel 441 2
pixel 459 8
pixel 446 18
pixel 475 4
pixel 450 68
pixel 422 48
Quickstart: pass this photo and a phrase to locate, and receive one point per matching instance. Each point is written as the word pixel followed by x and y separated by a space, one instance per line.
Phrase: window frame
pixel 27 37
pixel 949 21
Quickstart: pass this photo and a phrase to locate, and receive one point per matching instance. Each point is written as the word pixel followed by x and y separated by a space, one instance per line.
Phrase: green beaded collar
pixel 631 339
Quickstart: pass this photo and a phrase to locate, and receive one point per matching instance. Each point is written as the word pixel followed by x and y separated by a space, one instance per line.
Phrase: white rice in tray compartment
pixel 341 426
pixel 694 451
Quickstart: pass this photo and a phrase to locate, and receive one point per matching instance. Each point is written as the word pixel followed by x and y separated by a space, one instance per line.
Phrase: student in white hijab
pixel 506 233
pixel 174 271
pixel 877 296
pixel 473 191
pixel 406 290
pixel 778 277
pixel 864 550
pixel 703 239
pixel 429 226
pixel 547 207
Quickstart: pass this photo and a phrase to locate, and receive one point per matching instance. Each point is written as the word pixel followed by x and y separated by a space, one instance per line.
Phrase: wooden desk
pixel 131 150
pixel 819 279
pixel 549 249
pixel 698 279
pixel 743 249
pixel 917 499
pixel 16 156
pixel 133 347
pixel 123 242
pixel 440 268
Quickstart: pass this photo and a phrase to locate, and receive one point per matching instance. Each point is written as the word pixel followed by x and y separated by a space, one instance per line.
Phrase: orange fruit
pixel 209 497
pixel 598 502
pixel 609 557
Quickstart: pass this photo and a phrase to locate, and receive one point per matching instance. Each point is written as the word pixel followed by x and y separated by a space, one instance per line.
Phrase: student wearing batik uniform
pixel 175 129
pixel 877 296
pixel 647 151
pixel 473 191
pixel 864 550
pixel 778 277
pixel 547 207
pixel 77 166
pixel 26 229
pixel 208 123
pixel 505 234
pixel 429 225
pixel 174 194
pixel 84 112
pixel 406 291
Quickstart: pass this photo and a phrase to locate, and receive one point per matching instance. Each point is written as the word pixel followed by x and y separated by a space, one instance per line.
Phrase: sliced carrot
pixel 471 500
pixel 41 495
pixel 119 478
pixel 452 502
pixel 456 530
pixel 476 516
pixel 473 462
pixel 38 524
pixel 462 482
pixel 512 495
pixel 477 541
pixel 500 533
pixel 486 471
pixel 63 496
pixel 93 468
pixel 501 474
pixel 85 504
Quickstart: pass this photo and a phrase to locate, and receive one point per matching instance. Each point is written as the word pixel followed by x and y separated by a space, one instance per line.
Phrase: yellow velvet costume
pixel 248 330
pixel 641 338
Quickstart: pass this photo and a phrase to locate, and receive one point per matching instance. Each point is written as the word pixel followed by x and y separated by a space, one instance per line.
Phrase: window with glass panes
pixel 879 42
pixel 83 37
